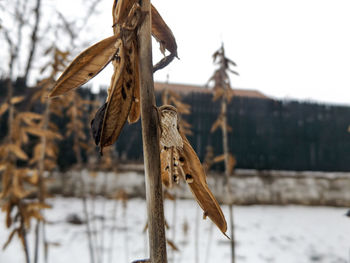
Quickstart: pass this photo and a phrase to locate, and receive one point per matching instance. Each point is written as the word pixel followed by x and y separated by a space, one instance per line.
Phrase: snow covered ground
pixel 271 234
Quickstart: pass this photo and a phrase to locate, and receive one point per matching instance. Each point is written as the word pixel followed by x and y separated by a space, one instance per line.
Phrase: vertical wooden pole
pixel 149 121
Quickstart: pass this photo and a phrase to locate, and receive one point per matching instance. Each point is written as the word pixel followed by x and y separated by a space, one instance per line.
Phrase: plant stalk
pixel 149 121
pixel 227 175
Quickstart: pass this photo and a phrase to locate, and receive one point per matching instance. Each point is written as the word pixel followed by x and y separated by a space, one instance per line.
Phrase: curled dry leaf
pixel 86 66
pixel 119 100
pixel 163 34
pixel 195 176
pixel 96 123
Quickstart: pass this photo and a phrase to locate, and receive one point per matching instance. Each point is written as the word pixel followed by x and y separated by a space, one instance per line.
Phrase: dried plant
pixel 222 90
pixel 123 99
pixel 123 102
pixel 18 183
pixel 178 159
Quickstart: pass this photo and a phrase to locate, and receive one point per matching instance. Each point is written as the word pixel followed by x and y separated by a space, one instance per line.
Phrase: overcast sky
pixel 297 49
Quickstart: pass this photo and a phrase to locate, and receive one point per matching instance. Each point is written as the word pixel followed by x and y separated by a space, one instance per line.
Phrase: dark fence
pixel 267 134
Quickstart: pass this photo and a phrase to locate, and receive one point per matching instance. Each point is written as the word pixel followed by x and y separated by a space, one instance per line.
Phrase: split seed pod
pixel 177 155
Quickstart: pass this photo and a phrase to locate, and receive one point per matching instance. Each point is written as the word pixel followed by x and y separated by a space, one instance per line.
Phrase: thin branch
pixel 34 39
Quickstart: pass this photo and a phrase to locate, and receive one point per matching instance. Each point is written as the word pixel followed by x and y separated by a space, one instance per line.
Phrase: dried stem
pixel 227 174
pixel 87 218
pixel 174 223
pixel 41 186
pixel 114 226
pixel 103 208
pixel 196 236
pixel 149 120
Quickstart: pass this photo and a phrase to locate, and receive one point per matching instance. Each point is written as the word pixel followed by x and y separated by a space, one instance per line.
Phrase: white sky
pixel 284 48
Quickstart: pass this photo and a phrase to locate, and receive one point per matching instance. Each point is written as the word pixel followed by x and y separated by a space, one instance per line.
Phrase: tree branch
pixel 34 40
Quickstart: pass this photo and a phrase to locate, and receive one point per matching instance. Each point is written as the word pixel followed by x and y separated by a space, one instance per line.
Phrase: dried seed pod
pixel 177 149
pixel 170 136
pixel 119 98
pixel 199 187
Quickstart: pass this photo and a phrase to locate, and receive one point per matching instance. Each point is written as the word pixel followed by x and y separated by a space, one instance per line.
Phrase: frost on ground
pixel 274 234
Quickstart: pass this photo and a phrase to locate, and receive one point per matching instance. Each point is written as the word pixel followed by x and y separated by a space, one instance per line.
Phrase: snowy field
pixel 274 234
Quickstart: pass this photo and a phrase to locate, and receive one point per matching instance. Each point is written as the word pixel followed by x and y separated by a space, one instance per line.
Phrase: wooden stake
pixel 149 120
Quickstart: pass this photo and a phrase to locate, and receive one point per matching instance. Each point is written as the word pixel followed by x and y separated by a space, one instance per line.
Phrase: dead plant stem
pixel 227 174
pixel 150 136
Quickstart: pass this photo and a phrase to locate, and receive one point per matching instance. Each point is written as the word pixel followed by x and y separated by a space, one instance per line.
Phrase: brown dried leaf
pixel 17 188
pixel 16 150
pixel 119 97
pixel 33 179
pixel 49 164
pixel 216 125
pixel 2 167
pixel 182 108
pixel 145 228
pixel 35 131
pixel 40 133
pixel 231 163
pixel 16 230
pixel 29 116
pixel 121 11
pixel 219 158
pixel 96 123
pixel 163 34
pixel 37 206
pixel 17 99
pixel 172 245
pixel 87 65
pixel 169 196
pixel 3 108
pixel 196 179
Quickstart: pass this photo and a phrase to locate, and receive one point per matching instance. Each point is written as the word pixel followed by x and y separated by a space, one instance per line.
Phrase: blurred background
pixel 268 116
